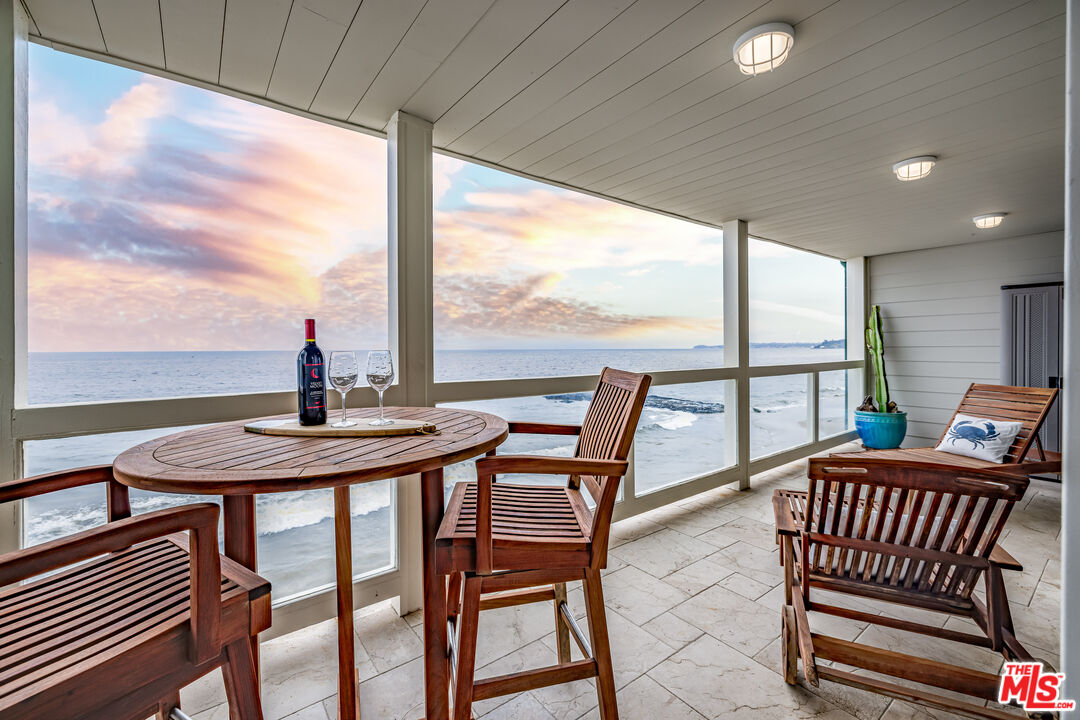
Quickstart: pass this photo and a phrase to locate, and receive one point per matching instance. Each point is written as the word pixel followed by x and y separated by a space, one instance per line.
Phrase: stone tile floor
pixel 693 593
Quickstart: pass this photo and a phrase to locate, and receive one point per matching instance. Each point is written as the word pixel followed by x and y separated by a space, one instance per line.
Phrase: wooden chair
pixel 922 537
pixel 506 545
pixel 996 402
pixel 148 610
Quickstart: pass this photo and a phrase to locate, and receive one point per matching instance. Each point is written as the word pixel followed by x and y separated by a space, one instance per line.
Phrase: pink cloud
pixel 547 229
pixel 126 308
pixel 470 306
pixel 187 247
pixel 221 224
pixel 102 149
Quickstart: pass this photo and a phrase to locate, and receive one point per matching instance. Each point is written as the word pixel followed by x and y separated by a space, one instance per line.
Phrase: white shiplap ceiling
pixel 640 100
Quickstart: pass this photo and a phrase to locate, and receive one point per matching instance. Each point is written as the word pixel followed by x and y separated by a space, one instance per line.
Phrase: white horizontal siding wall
pixel 942 312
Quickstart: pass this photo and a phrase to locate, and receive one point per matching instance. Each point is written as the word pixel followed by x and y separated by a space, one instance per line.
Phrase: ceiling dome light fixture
pixel 764 48
pixel 985 222
pixel 915 168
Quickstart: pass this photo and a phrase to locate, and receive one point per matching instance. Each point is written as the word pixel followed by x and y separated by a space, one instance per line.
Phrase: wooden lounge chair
pixel 509 544
pixel 918 536
pixel 146 612
pixel 995 402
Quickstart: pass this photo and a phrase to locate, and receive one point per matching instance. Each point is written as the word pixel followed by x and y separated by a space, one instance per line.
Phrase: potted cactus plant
pixel 880 426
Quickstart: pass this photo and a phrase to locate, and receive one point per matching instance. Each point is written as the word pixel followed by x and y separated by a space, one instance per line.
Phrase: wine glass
pixel 380 374
pixel 343 373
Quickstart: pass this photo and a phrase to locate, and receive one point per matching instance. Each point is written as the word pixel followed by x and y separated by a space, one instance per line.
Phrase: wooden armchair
pixel 147 610
pixel 1025 405
pixel 506 545
pixel 922 537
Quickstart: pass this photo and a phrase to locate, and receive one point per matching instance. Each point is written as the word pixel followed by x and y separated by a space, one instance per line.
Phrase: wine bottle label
pixel 316 392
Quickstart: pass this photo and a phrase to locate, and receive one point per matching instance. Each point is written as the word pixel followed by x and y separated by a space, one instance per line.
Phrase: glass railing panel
pixel 778 414
pixel 683 434
pixel 839 393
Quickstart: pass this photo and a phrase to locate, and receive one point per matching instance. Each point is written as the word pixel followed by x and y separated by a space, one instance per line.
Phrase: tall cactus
pixel 875 345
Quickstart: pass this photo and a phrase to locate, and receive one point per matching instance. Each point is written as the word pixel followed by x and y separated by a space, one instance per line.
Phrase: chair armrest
pixel 118 504
pixel 201 519
pixel 1000 557
pixel 488 467
pixel 504 464
pixel 544 428
pixel 785 519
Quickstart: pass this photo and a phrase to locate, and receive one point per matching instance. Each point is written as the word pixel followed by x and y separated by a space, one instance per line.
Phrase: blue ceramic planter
pixel 881 431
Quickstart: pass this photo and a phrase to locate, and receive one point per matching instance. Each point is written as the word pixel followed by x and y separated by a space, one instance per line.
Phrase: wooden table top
pixel 227 460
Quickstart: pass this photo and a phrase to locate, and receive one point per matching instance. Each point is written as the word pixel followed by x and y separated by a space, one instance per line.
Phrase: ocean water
pixel 681 434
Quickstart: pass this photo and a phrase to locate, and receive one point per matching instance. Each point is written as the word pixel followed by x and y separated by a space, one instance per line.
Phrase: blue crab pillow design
pixel 979 438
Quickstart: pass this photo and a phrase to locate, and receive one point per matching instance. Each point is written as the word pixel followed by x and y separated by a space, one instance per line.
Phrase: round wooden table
pixel 229 461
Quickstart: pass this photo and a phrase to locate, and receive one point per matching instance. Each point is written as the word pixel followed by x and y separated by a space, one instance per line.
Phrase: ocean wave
pixel 280 512
pixel 780 406
pixel 663 419
pixel 696 407
pixel 275 513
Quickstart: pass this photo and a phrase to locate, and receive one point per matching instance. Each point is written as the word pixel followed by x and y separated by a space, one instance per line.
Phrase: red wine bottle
pixel 311 383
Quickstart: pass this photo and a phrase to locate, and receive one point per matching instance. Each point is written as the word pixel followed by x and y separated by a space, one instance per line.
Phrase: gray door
pixel 1031 345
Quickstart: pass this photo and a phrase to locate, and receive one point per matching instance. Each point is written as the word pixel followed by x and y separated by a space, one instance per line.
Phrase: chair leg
pixel 787 555
pixel 562 633
pixel 468 620
pixel 998 617
pixel 453 595
pixel 166 706
pixel 241 682
pixel 598 635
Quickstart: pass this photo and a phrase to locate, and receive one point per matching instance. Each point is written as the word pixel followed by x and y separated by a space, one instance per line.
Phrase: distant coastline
pixel 823 345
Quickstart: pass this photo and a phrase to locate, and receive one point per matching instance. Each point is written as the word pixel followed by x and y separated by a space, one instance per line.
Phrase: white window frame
pixel 409 147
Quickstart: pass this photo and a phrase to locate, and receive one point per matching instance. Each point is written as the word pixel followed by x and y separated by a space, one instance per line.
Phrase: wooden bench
pixel 1028 406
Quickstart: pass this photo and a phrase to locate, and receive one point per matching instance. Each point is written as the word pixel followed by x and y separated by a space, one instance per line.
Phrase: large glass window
pixel 177 240
pixel 179 237
pixel 533 280
pixel 797 304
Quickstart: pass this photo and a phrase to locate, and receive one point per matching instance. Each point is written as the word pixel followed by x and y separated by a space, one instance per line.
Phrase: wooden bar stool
pixel 505 545
pixel 150 610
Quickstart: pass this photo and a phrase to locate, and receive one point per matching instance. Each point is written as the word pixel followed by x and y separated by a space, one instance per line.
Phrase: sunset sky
pixel 167 217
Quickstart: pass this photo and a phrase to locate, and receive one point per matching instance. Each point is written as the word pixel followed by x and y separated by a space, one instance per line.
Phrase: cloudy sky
pixel 167 217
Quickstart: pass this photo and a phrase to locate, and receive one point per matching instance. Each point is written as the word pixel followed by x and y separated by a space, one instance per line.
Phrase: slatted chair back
pixel 919 535
pixel 607 434
pixel 1009 403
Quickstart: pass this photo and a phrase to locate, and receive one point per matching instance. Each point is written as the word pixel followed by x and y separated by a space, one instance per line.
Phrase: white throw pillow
pixel 979 437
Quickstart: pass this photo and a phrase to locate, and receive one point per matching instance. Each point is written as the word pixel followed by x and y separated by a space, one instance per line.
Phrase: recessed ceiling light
pixel 985 222
pixel 764 48
pixel 915 168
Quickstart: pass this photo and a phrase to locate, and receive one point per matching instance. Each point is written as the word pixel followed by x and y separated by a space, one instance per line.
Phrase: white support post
pixel 813 382
pixel 1070 398
pixel 408 144
pixel 13 129
pixel 737 345
pixel 410 283
pixel 856 307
